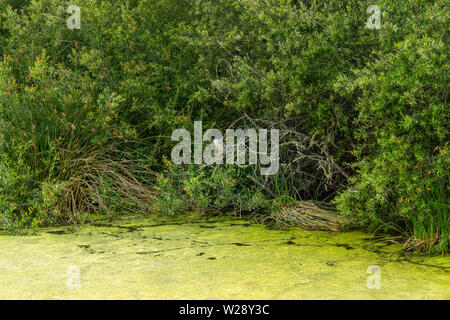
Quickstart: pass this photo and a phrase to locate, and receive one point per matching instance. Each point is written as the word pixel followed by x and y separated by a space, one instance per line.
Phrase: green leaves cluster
pixel 374 100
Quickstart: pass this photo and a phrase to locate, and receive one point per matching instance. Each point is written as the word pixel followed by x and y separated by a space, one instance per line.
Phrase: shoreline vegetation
pixel 87 115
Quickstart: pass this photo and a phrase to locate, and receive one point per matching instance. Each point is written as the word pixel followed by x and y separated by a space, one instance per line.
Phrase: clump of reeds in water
pixel 307 215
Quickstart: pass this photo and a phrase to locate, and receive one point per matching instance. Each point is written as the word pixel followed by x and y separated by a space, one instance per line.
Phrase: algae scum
pixel 194 257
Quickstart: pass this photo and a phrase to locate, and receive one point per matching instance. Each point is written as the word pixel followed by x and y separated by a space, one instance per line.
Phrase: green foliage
pixel 218 189
pixel 60 123
pixel 403 129
pixel 86 115
pixel 19 194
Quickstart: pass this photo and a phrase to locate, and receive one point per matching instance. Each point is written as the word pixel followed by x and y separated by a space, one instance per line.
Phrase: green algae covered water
pixel 193 257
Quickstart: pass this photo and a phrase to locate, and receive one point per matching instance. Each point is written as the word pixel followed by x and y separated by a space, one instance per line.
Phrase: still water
pixel 195 257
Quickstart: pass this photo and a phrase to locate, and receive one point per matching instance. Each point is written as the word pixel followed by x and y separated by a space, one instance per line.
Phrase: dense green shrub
pixel 403 127
pixel 218 189
pixel 60 121
pixel 86 115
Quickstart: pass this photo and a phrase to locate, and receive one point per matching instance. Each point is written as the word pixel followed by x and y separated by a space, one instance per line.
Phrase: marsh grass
pixel 429 229
pixel 289 209
pixel 66 153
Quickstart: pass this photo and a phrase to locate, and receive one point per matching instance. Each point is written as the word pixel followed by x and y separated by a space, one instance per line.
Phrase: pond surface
pixel 192 257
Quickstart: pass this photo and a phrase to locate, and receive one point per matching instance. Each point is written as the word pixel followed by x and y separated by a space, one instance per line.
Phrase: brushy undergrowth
pixel 86 115
pixel 222 189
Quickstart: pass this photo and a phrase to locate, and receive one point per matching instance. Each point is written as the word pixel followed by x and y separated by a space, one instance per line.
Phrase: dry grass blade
pixel 308 215
pixel 101 180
